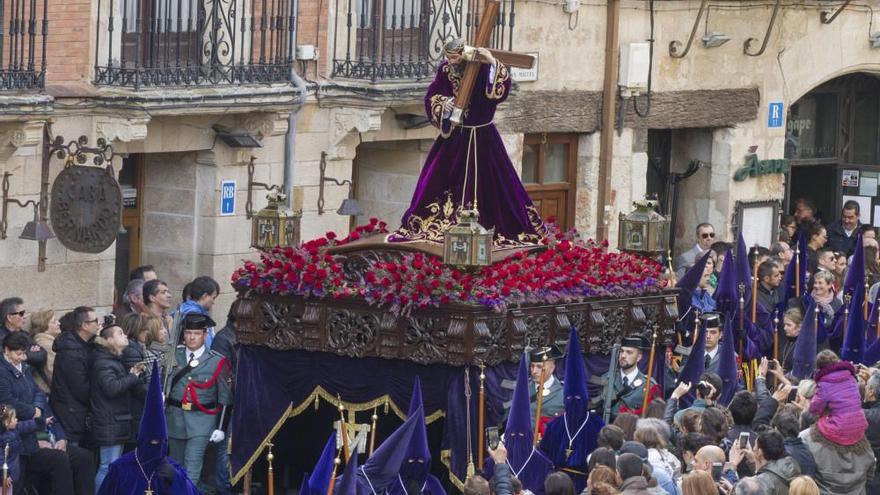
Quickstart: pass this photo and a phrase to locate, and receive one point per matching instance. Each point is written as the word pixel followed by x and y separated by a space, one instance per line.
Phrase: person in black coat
pixel 114 386
pixel 68 468
pixel 69 394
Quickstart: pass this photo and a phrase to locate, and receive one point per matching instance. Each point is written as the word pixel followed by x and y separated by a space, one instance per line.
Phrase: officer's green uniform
pixel 552 404
pixel 629 397
pixel 190 426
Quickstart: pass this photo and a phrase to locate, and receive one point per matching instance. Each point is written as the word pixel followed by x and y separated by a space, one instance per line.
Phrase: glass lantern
pixel 468 244
pixel 643 231
pixel 275 225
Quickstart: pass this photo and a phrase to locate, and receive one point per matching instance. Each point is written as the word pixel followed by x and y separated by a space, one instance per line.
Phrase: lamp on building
pixel 712 40
pixel 643 230
pixel 875 40
pixel 275 225
pixel 35 230
pixel 236 138
pixel 467 243
pixel 350 206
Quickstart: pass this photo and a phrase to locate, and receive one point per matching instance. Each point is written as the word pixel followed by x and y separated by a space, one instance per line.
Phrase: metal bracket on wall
pixel 827 17
pixel 249 204
pixel 323 179
pixel 675 45
pixel 748 43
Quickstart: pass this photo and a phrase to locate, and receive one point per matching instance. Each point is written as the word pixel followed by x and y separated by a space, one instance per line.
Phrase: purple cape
pixel 125 478
pixel 446 183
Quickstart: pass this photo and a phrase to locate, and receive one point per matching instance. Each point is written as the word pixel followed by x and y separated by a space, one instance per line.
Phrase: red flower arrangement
pixel 568 269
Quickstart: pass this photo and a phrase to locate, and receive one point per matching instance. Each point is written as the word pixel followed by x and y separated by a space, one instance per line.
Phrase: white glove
pixel 217 436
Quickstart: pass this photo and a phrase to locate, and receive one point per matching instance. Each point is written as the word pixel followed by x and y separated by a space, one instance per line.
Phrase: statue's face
pixel 455 58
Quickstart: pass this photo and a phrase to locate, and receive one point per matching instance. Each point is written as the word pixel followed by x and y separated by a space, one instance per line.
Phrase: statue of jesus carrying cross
pixel 468 167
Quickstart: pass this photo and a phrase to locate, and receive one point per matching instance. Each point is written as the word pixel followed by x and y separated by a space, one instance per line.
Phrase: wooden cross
pixel 484 32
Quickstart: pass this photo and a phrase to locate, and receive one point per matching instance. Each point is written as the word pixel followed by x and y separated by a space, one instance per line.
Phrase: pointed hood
pixel 694 367
pixel 304 486
pixel 727 366
pixel 153 433
pixel 743 270
pixel 575 393
pixel 518 432
pixel 687 285
pixel 319 482
pixel 382 468
pixel 853 348
pixel 417 464
pixel 348 482
pixel 804 358
pixel 726 294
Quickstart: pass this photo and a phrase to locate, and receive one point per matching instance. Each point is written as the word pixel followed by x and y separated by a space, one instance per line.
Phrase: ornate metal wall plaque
pixel 86 208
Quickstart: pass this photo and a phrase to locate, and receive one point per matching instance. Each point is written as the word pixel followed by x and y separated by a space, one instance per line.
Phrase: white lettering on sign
pixel 525 75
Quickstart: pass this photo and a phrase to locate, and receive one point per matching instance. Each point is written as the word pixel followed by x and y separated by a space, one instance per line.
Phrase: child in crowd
pixel 10 443
pixel 837 401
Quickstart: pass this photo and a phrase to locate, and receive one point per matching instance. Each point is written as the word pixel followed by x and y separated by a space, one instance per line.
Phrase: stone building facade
pixel 156 94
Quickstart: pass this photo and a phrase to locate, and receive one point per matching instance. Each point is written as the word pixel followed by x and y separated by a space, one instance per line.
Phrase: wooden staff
pixel 270 481
pixel 755 286
pixel 742 335
pixel 797 269
pixel 776 335
pixel 481 418
pixel 846 300
pixel 374 418
pixel 540 401
pixel 696 326
pixel 344 427
pixel 336 462
pixel 650 372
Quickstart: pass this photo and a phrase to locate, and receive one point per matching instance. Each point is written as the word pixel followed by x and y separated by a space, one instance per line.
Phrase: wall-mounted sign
pixel 775 115
pixel 525 75
pixel 850 178
pixel 85 208
pixel 227 198
pixel 754 167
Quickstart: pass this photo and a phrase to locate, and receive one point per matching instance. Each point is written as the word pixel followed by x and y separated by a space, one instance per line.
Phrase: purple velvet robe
pixel 447 179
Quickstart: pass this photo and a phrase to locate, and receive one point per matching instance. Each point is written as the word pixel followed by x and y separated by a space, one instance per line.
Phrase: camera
pixel 704 389
pixel 771 364
pixel 109 320
pixel 492 437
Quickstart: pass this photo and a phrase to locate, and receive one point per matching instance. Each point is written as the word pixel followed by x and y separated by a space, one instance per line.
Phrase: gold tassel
pixel 386 405
pixel 317 402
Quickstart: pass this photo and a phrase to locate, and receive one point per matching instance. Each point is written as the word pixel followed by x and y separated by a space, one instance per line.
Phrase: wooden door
pixel 128 243
pixel 549 173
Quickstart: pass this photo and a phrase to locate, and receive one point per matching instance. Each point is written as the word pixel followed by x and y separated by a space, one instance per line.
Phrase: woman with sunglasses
pixel 12 319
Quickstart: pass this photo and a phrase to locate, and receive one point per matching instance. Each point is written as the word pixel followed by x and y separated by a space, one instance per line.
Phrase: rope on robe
pixel 472 143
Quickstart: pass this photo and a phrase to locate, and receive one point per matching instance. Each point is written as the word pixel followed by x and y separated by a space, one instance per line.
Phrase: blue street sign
pixel 227 198
pixel 774 114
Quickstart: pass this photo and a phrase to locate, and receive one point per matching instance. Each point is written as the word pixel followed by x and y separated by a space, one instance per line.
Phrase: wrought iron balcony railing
pixel 403 39
pixel 23 45
pixel 148 43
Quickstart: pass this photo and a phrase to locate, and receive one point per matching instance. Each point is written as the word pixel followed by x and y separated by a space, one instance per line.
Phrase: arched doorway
pixel 832 140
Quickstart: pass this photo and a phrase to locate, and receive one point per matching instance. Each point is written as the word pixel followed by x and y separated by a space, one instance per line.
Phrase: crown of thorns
pixel 455 45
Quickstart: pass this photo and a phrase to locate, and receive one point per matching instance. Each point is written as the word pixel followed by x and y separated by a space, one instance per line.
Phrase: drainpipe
pixel 606 142
pixel 290 138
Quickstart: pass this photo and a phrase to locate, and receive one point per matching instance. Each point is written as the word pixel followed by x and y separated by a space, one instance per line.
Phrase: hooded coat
pixel 776 475
pixel 71 389
pixel 114 390
pixel 839 405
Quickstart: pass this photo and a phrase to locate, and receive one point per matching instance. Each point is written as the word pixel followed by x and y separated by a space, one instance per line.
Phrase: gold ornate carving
pixel 437 103
pixel 496 90
pixel 454 77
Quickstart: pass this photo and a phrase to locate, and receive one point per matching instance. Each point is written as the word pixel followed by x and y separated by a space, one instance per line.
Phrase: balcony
pixel 23 45
pixel 194 43
pixel 396 40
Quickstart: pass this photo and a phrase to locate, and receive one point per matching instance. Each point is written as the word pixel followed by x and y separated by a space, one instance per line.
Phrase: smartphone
pixel 716 470
pixel 771 364
pixel 492 437
pixel 744 440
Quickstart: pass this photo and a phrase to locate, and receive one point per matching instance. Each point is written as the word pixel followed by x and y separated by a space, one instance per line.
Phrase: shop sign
pixel 85 208
pixel 754 168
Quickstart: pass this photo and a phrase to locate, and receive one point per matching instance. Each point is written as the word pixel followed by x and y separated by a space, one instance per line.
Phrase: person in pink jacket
pixel 837 401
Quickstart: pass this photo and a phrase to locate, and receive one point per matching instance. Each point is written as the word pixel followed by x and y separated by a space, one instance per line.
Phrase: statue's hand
pixel 448 106
pixel 485 55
